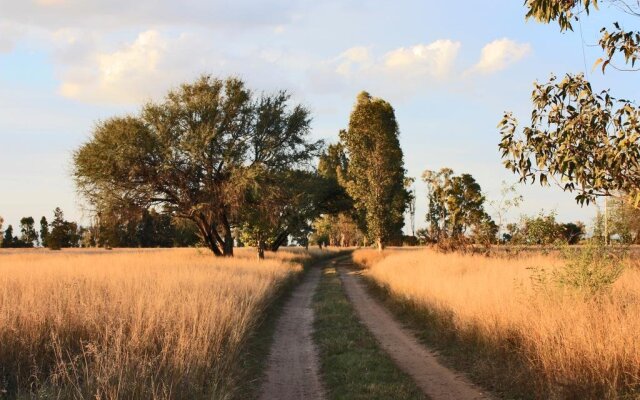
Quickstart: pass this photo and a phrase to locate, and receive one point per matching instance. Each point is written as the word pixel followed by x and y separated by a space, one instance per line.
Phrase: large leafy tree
pixel 194 154
pixel 456 207
pixel 375 175
pixel 583 140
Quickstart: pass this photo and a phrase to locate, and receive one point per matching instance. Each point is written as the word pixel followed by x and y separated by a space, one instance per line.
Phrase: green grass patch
pixel 353 365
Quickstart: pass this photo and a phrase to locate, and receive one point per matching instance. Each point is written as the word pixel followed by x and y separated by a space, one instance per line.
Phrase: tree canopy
pixel 194 154
pixel 375 175
pixel 582 139
pixel 456 207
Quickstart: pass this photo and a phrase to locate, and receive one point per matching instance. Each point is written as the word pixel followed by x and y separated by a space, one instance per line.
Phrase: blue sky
pixel 450 69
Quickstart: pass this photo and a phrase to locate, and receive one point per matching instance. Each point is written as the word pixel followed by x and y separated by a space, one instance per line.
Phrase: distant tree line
pixel 55 235
pixel 147 229
pixel 219 164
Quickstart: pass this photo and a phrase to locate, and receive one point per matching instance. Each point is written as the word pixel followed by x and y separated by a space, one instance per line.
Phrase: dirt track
pixel 293 370
pixel 437 381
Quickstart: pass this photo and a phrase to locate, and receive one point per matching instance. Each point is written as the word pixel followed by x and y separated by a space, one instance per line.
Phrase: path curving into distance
pixel 293 368
pixel 435 380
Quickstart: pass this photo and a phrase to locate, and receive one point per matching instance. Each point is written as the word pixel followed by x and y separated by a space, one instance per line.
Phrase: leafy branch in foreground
pixel 586 141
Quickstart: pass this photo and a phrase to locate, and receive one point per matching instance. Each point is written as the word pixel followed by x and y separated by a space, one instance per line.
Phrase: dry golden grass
pixel 564 346
pixel 130 324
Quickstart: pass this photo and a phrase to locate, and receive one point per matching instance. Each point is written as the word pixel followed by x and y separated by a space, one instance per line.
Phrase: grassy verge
pixel 254 358
pixel 497 370
pixel 352 364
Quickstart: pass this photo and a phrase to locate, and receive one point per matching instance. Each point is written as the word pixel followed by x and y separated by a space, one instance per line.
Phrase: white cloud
pixel 125 75
pixel 500 54
pixel 402 71
pixel 353 61
pixel 435 59
pixel 155 61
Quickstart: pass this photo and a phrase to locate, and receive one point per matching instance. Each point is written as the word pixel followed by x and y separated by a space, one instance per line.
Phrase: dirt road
pixel 437 381
pixel 293 370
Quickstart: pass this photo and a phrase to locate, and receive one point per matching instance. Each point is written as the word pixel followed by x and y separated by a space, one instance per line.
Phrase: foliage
pixel 28 234
pixel 456 207
pixel 591 269
pixel 587 142
pixel 617 42
pixel 544 229
pixel 340 224
pixel 337 230
pixel 624 221
pixel 332 166
pixel 193 155
pixel 375 175
pixel 8 240
pixel 423 236
pixel 141 228
pixel 280 206
pixel 44 231
pixel 584 140
pixel 63 233
pixel 573 232
pixel 485 231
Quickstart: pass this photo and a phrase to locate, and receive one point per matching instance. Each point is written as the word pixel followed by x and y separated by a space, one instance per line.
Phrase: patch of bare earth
pixel 293 370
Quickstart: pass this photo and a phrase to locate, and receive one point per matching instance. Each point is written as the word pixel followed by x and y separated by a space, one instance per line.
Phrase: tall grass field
pixel 130 324
pixel 512 330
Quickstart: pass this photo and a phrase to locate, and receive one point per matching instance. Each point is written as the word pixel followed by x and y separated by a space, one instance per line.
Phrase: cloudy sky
pixel 450 69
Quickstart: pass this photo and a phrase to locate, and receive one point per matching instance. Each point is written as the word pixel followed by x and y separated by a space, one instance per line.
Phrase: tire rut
pixel 293 368
pixel 435 380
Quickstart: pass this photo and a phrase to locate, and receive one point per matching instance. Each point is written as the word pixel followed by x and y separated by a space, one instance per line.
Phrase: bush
pixel 591 269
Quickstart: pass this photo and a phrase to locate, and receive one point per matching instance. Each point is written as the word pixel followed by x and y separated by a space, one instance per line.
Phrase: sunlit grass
pixel 565 346
pixel 130 324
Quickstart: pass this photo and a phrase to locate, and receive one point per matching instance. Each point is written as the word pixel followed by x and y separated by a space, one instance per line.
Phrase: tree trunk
pixel 380 244
pixel 278 242
pixel 228 238
pixel 261 247
pixel 209 235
